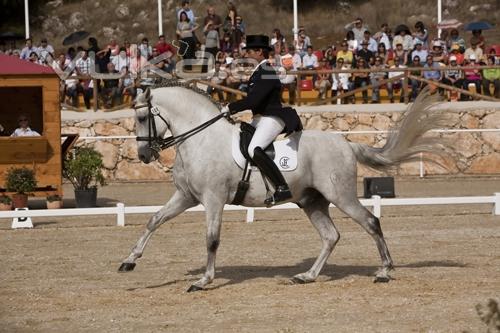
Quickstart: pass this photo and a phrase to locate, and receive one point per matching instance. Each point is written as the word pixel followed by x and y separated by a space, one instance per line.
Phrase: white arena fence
pixel 375 201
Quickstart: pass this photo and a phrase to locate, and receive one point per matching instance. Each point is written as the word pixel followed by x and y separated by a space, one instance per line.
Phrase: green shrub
pixel 54 197
pixel 5 200
pixel 84 168
pixel 20 180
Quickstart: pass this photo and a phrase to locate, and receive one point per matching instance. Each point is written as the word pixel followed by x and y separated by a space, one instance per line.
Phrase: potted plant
pixel 21 181
pixel 84 170
pixel 54 201
pixel 5 202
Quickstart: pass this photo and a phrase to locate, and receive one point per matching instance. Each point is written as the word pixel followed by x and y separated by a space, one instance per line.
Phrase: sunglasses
pixel 23 119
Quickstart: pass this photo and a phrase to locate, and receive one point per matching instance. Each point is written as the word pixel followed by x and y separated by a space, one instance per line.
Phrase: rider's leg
pixel 267 129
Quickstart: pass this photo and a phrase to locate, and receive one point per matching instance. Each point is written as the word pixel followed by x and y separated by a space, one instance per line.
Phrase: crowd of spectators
pixel 224 39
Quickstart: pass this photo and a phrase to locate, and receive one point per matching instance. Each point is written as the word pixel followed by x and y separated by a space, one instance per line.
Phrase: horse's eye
pixel 141 119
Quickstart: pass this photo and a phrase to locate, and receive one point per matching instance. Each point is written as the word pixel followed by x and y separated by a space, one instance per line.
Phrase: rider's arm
pixel 255 97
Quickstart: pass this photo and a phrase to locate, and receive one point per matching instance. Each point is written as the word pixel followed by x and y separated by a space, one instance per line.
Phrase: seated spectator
pixel 301 44
pixel 330 56
pixel 226 45
pixel 85 86
pixel 113 47
pixel 382 36
pixel 364 52
pixel 421 35
pixel 395 85
pixel 340 81
pixel 217 77
pixel 493 53
pixel 383 53
pixel 28 49
pixel 453 77
pixel 322 83
pixel 352 43
pixel 310 61
pixel 93 45
pixel 401 53
pixel 437 52
pixel 375 78
pixel 345 54
pixel 404 39
pixel 145 50
pixel 240 26
pixel 127 84
pixel 357 28
pixel 432 75
pixel 44 50
pixel 481 41
pixel 491 76
pixel 472 75
pixel 416 85
pixel 419 51
pixel 163 47
pixel 455 39
pixel 361 79
pixel 290 61
pixel 121 61
pixel 111 89
pixel 60 67
pixel 474 49
pixel 24 129
pixel 372 43
pixel 72 87
pixel 34 58
pixel 455 51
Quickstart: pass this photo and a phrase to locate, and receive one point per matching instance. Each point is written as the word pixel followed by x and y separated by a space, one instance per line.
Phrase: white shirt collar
pixel 263 61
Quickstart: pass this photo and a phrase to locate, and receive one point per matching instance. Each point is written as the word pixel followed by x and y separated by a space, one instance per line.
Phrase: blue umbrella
pixel 479 25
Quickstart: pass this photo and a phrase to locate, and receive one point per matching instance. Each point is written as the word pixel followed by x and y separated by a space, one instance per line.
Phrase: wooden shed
pixel 32 90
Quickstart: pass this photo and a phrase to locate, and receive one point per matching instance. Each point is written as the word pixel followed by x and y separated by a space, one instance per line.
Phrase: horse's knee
pixel 213 245
pixel 374 223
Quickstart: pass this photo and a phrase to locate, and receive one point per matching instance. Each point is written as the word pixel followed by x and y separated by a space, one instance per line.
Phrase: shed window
pixel 17 101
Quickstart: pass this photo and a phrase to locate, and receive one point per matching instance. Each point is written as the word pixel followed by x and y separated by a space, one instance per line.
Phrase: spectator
pixel 290 61
pixel 28 49
pixel 85 86
pixel 226 45
pixel 401 53
pixel 416 85
pixel 474 49
pixel 493 53
pixel 121 61
pixel 437 52
pixel 372 43
pixel 113 47
pixel 302 31
pixel 477 34
pixel 310 61
pixel 453 77
pixel 421 35
pixel 395 85
pixel 163 47
pixel 185 29
pixel 340 81
pixel 352 43
pixel 60 67
pixel 240 25
pixel 301 44
pixel 145 50
pixel 217 77
pixel 361 79
pixel 383 53
pixel 212 40
pixel 230 27
pixel 24 129
pixel 472 75
pixel 357 28
pixel 491 76
pixel 404 38
pixel 455 39
pixel 278 41
pixel 322 83
pixel 383 36
pixel 186 9
pixel 214 18
pixel 72 85
pixel 127 84
pixel 375 78
pixel 330 56
pixel 128 48
pixel 345 54
pixel 71 54
pixel 111 90
pixel 364 52
pixel 432 75
pixel 455 51
pixel 419 51
pixel 93 46
pixel 44 50
pixel 34 58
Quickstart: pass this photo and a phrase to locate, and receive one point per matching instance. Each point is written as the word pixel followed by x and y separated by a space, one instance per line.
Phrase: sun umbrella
pixel 479 25
pixel 449 24
pixel 9 35
pixel 75 37
pixel 402 27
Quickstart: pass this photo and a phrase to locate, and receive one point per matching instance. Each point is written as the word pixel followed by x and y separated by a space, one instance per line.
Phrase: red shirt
pixel 164 47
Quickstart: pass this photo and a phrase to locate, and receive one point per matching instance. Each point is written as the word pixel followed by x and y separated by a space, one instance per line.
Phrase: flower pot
pixel 54 204
pixel 86 198
pixel 20 200
pixel 4 206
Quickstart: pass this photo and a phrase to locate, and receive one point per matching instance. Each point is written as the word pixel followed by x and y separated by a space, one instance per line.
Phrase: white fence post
pixel 250 215
pixel 496 205
pixel 120 214
pixel 377 209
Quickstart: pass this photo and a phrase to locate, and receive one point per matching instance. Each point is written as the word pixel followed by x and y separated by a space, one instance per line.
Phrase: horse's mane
pixel 166 83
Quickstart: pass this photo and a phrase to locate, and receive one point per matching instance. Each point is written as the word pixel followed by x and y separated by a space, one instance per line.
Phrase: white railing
pixel 376 202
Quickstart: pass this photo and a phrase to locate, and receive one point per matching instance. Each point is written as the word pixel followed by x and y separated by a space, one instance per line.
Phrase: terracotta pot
pixel 54 204
pixel 20 200
pixel 4 206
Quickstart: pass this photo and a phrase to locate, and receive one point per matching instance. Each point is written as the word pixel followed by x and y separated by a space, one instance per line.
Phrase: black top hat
pixel 257 42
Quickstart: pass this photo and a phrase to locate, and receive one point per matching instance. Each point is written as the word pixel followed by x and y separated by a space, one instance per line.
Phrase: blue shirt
pixel 432 75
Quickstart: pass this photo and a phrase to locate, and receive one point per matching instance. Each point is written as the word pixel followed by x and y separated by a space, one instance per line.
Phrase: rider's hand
pixel 225 110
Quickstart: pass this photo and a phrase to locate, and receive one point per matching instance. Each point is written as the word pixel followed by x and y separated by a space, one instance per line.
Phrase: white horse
pixel 205 172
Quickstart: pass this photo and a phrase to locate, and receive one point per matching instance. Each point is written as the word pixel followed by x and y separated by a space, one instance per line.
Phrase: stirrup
pixel 282 193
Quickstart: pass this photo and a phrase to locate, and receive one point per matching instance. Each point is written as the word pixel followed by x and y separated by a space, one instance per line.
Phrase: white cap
pixel 453 58
pixel 436 43
pixel 472 56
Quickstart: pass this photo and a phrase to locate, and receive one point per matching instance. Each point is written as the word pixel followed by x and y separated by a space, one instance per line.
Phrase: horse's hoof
pixel 194 288
pixel 126 267
pixel 298 280
pixel 382 279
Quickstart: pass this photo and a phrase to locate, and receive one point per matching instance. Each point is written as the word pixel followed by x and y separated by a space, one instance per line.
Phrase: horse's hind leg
pixel 354 208
pixel 176 205
pixel 316 208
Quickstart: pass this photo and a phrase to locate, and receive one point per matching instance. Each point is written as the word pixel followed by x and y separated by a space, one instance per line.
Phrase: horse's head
pixel 150 126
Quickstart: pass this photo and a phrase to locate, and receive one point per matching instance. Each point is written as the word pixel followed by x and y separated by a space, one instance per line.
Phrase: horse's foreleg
pixel 317 211
pixel 176 205
pixel 214 221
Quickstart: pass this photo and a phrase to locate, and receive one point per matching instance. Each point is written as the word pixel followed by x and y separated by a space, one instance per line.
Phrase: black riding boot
pixel 271 171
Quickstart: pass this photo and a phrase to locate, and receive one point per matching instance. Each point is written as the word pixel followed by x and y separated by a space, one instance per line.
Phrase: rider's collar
pixel 262 62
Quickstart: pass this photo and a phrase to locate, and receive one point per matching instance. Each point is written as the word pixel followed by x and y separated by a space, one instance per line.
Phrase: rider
pixel 270 117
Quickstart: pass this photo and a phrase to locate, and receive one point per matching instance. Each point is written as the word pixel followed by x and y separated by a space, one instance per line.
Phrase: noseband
pixel 157 144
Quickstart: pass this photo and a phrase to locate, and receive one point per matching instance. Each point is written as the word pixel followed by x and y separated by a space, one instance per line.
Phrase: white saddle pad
pixel 286 151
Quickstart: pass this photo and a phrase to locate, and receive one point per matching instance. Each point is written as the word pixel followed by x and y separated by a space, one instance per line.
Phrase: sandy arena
pixel 62 275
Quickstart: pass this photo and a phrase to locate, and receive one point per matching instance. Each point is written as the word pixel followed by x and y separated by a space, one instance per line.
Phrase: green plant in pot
pixel 54 201
pixel 5 202
pixel 83 169
pixel 21 181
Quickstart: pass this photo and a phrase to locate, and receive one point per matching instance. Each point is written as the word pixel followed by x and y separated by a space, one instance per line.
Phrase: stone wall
pixel 472 153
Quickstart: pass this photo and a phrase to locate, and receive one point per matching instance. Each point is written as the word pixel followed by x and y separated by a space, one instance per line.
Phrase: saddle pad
pixel 286 151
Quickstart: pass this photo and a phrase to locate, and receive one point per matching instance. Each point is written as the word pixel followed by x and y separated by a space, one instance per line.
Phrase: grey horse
pixel 204 171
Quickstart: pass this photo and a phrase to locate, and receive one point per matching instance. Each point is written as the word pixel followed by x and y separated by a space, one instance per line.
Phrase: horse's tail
pixel 406 140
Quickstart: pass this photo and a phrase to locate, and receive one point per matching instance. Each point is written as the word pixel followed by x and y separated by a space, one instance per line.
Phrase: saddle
pixel 246 135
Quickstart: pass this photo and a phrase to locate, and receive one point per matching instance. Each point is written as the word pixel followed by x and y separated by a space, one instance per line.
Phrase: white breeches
pixel 267 129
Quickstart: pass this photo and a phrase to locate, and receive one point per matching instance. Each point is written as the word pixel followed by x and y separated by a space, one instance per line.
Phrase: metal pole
pixel 295 21
pixel 439 15
pixel 26 19
pixel 160 19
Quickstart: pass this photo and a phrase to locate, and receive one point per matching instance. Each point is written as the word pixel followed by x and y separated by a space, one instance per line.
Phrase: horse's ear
pixel 147 94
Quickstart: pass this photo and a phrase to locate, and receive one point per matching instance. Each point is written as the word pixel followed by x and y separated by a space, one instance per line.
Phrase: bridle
pixel 157 144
